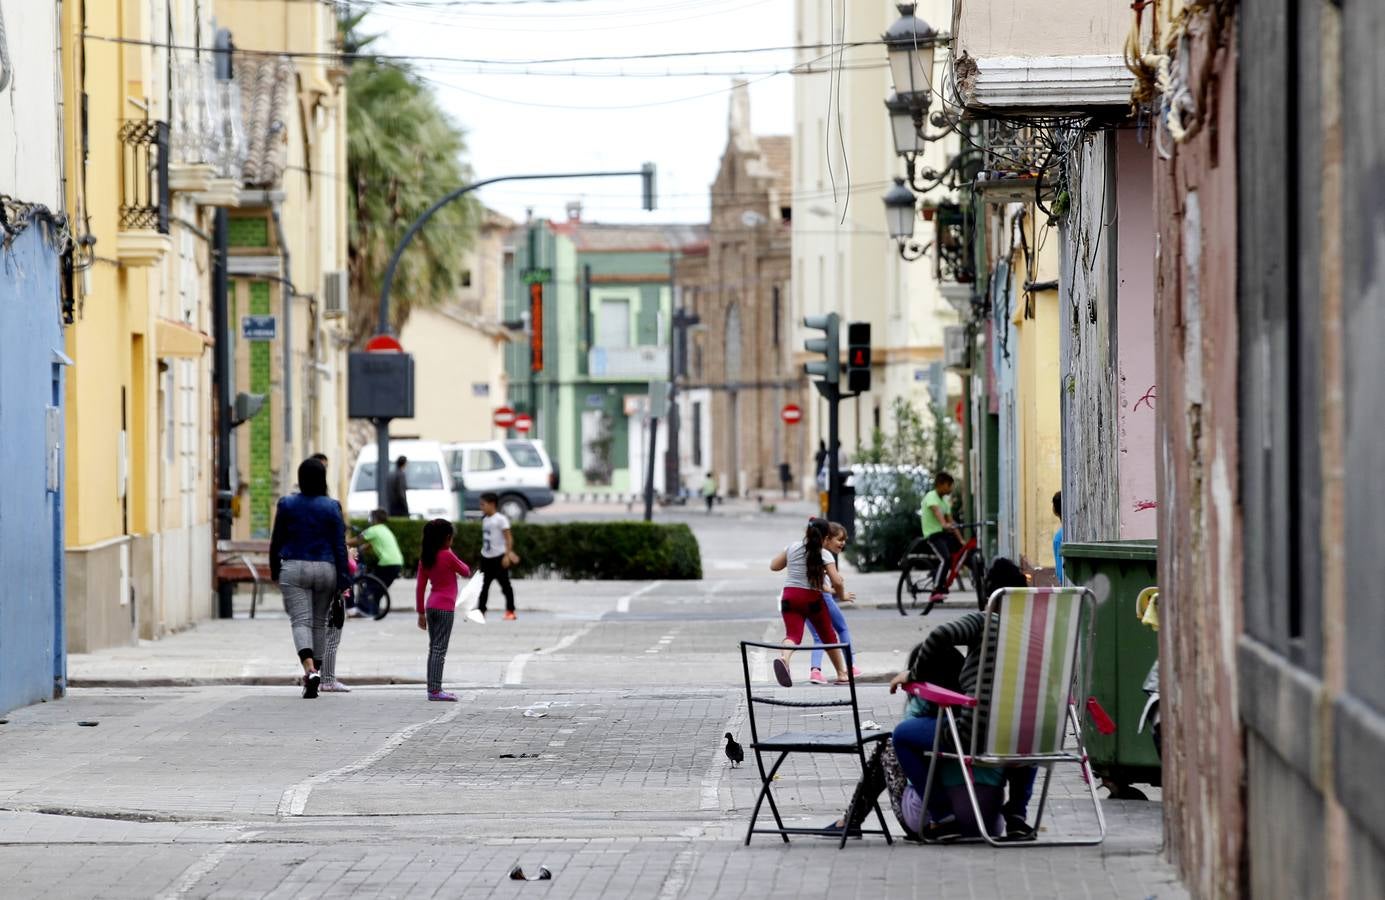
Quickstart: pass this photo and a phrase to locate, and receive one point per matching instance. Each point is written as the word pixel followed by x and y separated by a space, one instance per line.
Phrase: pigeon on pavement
pixel 734 751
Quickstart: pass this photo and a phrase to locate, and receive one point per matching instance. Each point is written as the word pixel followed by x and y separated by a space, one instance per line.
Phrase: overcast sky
pixel 587 116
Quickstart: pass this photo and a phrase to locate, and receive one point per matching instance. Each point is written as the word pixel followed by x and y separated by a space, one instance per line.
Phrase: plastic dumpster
pixel 1116 572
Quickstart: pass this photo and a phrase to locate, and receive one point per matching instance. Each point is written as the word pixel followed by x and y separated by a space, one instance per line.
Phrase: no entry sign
pixel 791 414
pixel 503 417
pixel 523 423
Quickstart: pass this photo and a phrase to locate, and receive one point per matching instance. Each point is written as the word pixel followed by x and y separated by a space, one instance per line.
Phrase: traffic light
pixel 828 368
pixel 857 357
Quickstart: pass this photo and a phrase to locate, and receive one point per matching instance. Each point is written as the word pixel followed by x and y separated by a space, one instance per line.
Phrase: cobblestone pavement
pixel 587 739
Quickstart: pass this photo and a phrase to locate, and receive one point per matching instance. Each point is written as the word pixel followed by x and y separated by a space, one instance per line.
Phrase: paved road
pixel 587 739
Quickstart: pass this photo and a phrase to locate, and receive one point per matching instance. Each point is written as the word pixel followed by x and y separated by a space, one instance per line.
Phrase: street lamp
pixel 910 43
pixel 904 126
pixel 900 214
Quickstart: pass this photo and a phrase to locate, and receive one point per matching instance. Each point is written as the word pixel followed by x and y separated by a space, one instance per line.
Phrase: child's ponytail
pixel 812 552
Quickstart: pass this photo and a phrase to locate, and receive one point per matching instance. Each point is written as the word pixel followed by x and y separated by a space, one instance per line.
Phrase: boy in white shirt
pixel 497 554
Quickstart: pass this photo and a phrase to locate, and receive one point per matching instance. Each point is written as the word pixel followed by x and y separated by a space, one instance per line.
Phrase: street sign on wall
pixel 259 328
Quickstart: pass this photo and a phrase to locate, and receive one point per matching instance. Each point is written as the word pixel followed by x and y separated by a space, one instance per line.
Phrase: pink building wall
pixel 1136 381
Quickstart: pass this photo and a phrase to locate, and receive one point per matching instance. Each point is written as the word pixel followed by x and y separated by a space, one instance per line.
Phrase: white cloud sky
pixel 563 121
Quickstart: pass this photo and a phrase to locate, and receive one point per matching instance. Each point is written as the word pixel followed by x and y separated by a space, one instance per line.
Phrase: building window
pixel 697 433
pixel 775 312
pixel 466 278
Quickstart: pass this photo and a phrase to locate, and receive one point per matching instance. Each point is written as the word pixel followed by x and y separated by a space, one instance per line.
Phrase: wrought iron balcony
pixel 955 244
pixel 144 176
pixel 1013 160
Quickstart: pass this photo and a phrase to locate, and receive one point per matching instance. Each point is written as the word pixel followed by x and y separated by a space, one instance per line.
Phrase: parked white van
pixel 430 487
pixel 518 470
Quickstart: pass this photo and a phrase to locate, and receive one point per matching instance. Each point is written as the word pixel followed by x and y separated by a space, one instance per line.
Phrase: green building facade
pixel 607 300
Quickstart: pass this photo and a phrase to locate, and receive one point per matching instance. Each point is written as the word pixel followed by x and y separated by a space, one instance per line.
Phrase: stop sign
pixel 791 414
pixel 503 417
pixel 523 423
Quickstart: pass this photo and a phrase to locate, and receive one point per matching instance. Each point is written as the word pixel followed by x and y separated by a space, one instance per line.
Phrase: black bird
pixel 734 751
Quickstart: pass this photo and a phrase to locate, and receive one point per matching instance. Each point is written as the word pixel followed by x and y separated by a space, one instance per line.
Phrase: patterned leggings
pixel 439 633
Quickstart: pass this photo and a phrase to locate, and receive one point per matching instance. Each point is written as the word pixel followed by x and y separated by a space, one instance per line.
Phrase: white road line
pixel 623 604
pixel 514 672
pixel 197 871
pixel 678 873
pixel 295 799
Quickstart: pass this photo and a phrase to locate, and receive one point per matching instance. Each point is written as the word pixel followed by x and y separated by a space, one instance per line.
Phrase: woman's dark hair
pixel 437 534
pixel 1003 574
pixel 812 552
pixel 312 478
pixel 1058 504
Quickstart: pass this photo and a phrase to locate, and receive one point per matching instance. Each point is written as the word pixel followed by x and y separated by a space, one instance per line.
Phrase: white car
pixel 518 470
pixel 430 488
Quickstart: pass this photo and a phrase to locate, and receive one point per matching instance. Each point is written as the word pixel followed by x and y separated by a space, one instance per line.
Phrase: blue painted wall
pixel 32 659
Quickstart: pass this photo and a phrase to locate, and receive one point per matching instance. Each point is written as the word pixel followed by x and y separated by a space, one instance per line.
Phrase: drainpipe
pixel 223 376
pixel 287 287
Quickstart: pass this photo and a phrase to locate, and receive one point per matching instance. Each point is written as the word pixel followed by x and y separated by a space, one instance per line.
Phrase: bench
pixel 243 562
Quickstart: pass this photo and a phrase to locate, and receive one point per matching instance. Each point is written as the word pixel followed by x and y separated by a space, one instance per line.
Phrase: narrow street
pixel 588 739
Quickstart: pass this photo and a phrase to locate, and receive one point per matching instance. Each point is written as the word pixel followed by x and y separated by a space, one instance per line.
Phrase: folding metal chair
pixel 1029 702
pixel 784 743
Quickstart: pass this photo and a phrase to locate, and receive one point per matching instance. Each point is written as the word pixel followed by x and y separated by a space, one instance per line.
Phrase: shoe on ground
pixel 816 677
pixel 334 687
pixel 510 615
pixel 781 673
pixel 311 682
pixel 1016 829
pixel 443 696
pixel 475 615
pixel 856 670
pixel 355 613
pixel 947 831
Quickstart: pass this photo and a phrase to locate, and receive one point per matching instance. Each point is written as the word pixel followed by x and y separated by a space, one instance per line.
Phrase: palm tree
pixel 403 153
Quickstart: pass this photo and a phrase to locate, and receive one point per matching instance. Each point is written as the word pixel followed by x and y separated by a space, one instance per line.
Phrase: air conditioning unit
pixel 334 303
pixel 955 351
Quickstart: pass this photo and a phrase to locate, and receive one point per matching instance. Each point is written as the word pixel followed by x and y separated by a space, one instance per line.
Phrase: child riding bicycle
pixel 388 559
pixel 940 530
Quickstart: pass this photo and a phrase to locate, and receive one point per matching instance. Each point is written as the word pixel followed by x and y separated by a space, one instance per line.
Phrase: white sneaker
pixel 475 615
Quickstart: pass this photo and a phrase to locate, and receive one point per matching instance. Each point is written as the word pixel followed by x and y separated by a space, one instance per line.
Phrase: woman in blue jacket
pixel 307 557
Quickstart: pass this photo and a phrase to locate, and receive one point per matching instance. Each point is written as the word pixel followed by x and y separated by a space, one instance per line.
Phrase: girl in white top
pixel 809 567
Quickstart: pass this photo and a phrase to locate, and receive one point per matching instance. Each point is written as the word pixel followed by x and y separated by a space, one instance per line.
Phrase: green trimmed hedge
pixel 576 551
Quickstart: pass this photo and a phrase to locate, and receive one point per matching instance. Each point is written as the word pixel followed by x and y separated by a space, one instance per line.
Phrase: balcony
pixel 142 239
pixel 1022 56
pixel 632 363
pixel 208 144
pixel 1012 159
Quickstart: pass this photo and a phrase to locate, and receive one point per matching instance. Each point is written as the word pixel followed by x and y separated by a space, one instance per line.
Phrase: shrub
pixel 625 551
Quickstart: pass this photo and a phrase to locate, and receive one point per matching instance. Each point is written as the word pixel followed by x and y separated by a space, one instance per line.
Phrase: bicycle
pixel 919 567
pixel 365 583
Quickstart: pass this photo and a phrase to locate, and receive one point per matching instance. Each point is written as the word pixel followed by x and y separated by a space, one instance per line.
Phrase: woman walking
pixel 307 557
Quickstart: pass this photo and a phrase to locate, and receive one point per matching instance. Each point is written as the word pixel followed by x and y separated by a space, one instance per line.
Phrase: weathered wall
pixel 1088 348
pixel 1199 522
pixel 30 513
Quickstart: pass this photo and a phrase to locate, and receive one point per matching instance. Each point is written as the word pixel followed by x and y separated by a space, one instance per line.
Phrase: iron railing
pixel 144 176
pixel 954 241
pixel 1012 148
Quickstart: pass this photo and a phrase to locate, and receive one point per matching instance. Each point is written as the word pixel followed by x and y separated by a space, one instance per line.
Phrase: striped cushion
pixel 1034 654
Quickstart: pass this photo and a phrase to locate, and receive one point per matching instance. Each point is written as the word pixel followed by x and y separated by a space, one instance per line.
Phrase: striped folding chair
pixel 1035 660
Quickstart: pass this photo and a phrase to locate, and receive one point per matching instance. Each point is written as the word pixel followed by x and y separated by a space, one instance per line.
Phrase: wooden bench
pixel 243 562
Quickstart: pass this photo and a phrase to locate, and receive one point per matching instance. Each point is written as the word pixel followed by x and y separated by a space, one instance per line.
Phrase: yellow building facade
pixel 155 142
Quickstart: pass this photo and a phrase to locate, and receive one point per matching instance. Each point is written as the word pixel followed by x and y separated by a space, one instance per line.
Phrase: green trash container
pixel 1124 649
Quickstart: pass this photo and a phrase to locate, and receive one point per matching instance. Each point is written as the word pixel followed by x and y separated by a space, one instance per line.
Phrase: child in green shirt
pixel 388 560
